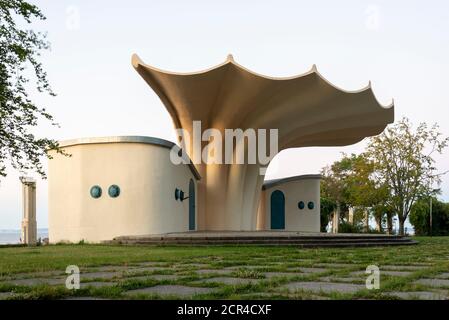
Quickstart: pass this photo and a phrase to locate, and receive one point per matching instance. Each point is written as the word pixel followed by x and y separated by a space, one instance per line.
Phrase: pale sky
pixel 401 46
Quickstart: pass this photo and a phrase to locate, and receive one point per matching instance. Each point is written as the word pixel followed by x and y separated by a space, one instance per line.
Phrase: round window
pixel 310 205
pixel 95 192
pixel 301 205
pixel 114 191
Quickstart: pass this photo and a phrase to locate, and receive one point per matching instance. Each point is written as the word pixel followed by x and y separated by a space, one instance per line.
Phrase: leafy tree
pixel 403 160
pixel 420 217
pixel 350 182
pixel 366 191
pixel 20 48
pixel 327 207
pixel 334 187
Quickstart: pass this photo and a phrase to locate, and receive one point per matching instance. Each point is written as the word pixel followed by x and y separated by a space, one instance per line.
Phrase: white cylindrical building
pixel 115 186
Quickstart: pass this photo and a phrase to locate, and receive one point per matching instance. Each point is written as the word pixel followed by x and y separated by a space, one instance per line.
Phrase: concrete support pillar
pixel 29 225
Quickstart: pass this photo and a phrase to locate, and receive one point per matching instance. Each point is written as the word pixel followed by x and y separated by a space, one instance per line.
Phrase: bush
pixel 345 227
pixel 419 217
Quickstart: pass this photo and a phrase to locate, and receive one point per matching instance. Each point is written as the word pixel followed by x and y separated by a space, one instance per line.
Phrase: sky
pixel 401 46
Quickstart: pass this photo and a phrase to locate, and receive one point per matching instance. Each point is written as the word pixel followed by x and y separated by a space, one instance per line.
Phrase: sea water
pixel 13 236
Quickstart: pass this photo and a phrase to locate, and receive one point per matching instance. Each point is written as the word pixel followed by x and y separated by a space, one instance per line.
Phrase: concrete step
pixel 271 238
pixel 301 241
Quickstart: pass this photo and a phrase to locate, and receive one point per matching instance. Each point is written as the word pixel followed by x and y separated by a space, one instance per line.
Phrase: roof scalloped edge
pixel 137 62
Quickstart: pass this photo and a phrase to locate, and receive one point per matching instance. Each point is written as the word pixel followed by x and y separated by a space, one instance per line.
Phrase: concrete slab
pixel 418 295
pixel 242 267
pixel 192 265
pixel 151 264
pixel 6 295
pixel 214 271
pixel 383 273
pixel 182 291
pixel 113 268
pixel 324 287
pixel 231 280
pixel 270 275
pixel 312 270
pixel 96 284
pixel 329 265
pixel 27 275
pixel 395 273
pixel 343 279
pixel 433 282
pixel 158 277
pixel 143 270
pixel 100 275
pixel 403 268
pixel 444 275
pixel 36 281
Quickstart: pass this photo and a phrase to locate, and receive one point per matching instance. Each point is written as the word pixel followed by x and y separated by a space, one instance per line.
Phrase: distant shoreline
pixel 12 236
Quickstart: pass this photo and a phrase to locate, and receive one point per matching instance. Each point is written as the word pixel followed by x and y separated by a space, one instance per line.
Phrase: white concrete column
pixel 29 225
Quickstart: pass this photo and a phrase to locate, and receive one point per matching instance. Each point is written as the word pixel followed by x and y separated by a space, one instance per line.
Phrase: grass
pixel 432 253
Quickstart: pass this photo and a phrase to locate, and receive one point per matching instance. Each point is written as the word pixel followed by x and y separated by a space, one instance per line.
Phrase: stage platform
pixel 275 238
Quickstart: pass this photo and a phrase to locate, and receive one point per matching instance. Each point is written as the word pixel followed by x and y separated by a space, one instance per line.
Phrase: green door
pixel 191 205
pixel 277 210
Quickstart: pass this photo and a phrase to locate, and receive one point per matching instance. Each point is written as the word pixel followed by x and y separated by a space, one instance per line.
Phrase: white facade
pixel 146 180
pixel 291 204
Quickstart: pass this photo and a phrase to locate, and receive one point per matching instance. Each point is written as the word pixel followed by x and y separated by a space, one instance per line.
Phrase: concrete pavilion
pixel 307 109
pixel 127 186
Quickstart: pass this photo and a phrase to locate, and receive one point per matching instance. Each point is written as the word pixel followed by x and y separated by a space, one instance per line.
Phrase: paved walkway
pixel 196 280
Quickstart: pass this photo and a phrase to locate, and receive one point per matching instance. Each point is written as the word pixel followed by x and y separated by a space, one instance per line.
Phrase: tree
pixel 403 160
pixel 420 217
pixel 367 192
pixel 327 207
pixel 334 186
pixel 19 49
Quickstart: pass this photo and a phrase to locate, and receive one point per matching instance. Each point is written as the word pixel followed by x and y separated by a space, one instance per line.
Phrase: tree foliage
pixel 350 182
pixel 327 206
pixel 420 217
pixel 403 160
pixel 20 49
pixel 386 180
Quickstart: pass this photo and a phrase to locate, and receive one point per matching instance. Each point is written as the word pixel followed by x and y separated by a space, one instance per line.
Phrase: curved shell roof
pixel 307 109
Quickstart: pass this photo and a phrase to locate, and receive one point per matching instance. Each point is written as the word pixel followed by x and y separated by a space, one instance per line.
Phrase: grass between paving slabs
pixel 245 262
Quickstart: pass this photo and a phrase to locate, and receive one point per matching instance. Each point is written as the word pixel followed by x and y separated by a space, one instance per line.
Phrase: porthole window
pixel 310 205
pixel 95 192
pixel 114 191
pixel 301 205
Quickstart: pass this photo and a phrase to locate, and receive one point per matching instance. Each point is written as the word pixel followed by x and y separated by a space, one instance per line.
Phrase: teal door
pixel 277 210
pixel 191 205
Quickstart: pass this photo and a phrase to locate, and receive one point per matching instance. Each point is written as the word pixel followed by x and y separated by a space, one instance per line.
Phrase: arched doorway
pixel 191 205
pixel 277 210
